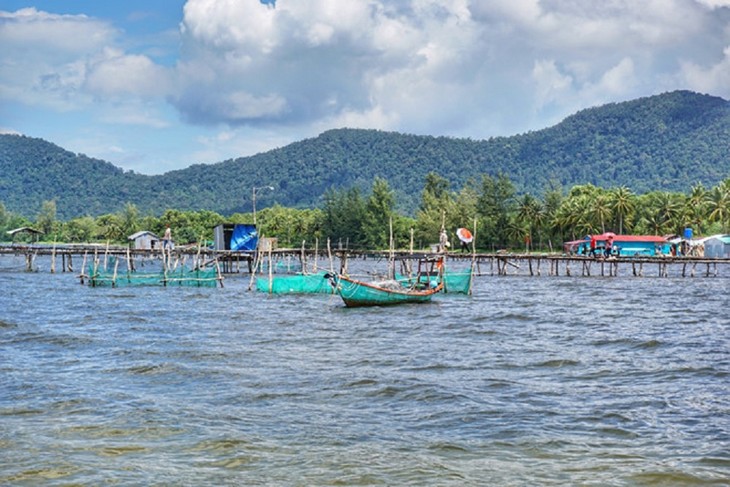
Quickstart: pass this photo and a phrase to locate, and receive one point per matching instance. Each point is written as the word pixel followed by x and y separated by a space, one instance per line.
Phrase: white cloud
pixel 112 73
pixel 715 3
pixel 713 79
pixel 283 71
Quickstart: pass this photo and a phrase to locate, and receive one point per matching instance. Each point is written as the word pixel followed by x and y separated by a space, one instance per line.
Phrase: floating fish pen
pixel 295 284
pixel 177 275
pixel 182 276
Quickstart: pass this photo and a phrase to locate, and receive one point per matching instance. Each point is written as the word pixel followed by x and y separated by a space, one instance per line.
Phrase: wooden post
pixel 473 257
pixel 271 272
pixel 83 269
pixel 106 254
pixel 218 271
pixel 303 259
pixel 316 254
pixel 114 277
pixel 129 263
pixel 53 258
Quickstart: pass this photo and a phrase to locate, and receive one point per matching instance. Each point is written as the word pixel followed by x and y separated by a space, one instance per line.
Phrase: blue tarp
pixel 244 237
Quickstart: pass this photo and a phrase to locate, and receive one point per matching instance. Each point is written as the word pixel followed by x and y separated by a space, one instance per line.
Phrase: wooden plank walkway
pixel 486 264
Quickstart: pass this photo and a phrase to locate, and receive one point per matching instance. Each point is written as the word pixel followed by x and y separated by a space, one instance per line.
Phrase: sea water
pixel 530 381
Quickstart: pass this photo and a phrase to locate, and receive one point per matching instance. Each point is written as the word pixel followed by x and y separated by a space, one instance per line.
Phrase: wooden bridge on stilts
pixel 484 264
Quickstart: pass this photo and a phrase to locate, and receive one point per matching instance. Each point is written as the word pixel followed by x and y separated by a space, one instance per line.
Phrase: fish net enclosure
pixel 454 282
pixel 181 276
pixel 293 284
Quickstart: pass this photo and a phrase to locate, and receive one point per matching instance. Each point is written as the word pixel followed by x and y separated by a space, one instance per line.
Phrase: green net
pixel 457 282
pixel 181 276
pixel 295 284
pixel 454 282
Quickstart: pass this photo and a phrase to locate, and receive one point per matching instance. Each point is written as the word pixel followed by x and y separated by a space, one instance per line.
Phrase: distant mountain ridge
pixel 666 142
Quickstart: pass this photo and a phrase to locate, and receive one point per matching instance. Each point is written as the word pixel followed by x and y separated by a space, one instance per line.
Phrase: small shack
pixel 24 234
pixel 235 236
pixel 717 247
pixel 144 240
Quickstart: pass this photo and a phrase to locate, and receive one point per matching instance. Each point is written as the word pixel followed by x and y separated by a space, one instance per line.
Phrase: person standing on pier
pixel 593 245
pixel 167 238
pixel 609 246
pixel 443 241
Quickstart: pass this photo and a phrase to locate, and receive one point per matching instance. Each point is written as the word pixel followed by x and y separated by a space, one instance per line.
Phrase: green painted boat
pixel 357 293
pixel 295 284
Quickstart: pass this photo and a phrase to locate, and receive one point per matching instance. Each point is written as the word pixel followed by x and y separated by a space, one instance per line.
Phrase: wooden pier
pixel 485 264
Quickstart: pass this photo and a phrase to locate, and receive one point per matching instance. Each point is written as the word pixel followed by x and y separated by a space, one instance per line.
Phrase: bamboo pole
pixel 53 258
pixel 469 291
pixel 257 260
pixel 83 269
pixel 303 259
pixel 316 254
pixel 106 254
pixel 391 261
pixel 114 277
pixel 271 272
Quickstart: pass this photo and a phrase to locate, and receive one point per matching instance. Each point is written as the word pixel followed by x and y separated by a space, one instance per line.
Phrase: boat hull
pixel 356 293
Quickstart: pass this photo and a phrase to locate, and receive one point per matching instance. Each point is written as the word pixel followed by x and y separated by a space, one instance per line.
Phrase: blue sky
pixel 153 86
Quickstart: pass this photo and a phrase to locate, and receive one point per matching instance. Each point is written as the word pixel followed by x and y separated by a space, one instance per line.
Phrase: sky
pixel 154 86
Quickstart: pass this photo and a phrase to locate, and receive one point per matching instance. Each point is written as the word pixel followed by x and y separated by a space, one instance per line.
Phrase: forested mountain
pixel 667 142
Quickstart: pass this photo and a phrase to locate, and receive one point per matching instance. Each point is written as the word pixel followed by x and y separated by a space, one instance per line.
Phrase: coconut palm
pixel 622 203
pixel 529 214
pixel 601 210
pixel 718 203
pixel 667 210
pixel 696 205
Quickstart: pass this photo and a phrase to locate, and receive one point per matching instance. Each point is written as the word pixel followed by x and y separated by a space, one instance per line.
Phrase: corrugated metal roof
pixel 24 229
pixel 142 233
pixel 632 238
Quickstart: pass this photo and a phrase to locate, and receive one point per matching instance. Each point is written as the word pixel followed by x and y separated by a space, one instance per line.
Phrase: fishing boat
pixel 356 293
pixel 359 293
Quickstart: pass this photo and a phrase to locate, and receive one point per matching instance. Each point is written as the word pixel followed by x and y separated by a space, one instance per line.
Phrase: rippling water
pixel 532 381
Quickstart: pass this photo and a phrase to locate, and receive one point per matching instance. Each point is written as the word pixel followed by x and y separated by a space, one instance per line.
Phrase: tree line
pixel 490 206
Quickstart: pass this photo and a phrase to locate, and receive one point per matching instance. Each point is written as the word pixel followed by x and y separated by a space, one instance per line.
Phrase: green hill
pixel 667 142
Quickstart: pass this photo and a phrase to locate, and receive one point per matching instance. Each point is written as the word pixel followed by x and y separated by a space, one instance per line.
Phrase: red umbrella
pixel 464 235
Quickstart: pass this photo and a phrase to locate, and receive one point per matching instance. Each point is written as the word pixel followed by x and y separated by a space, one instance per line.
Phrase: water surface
pixel 532 381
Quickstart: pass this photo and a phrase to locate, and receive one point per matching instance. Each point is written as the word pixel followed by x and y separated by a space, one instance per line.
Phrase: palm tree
pixel 667 210
pixel 529 213
pixel 696 205
pixel 622 203
pixel 718 202
pixel 654 224
pixel 602 210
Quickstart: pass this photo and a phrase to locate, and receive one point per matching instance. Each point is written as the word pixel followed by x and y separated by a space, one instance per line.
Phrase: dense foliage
pixel 668 142
pixel 347 219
